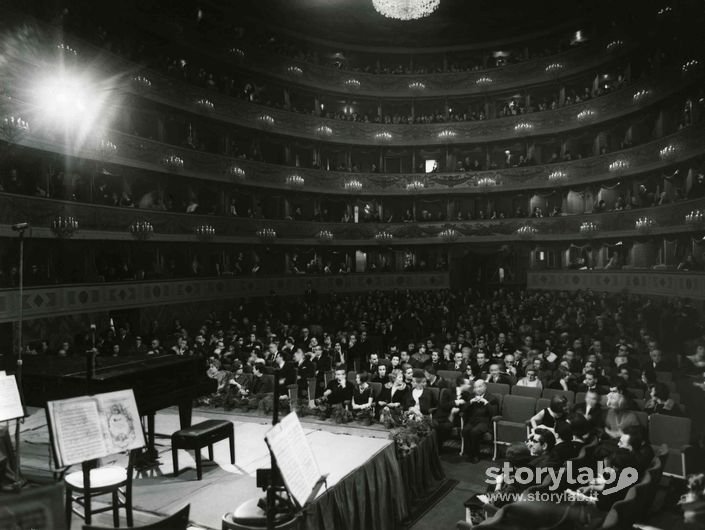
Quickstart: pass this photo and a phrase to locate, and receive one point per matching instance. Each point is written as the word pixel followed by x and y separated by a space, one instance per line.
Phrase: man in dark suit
pixel 496 376
pixel 446 416
pixel 434 380
pixel 457 364
pixel 304 370
pixel 591 409
pixel 591 384
pixel 656 362
pixel 541 443
pixel 261 385
pixel 421 398
pixel 477 416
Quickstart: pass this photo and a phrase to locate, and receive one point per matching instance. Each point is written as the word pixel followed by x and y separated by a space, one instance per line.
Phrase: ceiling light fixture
pixel 405 9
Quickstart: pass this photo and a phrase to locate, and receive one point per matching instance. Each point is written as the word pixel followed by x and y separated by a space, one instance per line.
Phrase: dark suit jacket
pixel 502 379
pixel 450 365
pixel 477 413
pixel 596 417
pixel 305 369
pixel 262 385
pixel 439 383
pixel 427 401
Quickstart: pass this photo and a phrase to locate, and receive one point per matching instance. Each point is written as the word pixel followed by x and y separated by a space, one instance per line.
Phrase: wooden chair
pixel 95 481
pixel 177 521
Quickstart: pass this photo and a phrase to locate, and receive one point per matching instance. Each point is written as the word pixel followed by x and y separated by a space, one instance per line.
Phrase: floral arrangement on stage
pixel 412 427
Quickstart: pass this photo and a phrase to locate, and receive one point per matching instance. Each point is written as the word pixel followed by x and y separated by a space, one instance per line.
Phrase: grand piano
pixel 158 382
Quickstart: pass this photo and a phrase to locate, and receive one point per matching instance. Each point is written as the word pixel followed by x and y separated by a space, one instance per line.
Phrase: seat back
pixel 376 389
pixel 311 385
pixel 498 389
pixel 643 418
pixel 580 397
pixel 518 408
pixel 328 377
pixel 436 393
pixel 542 403
pixel 627 509
pixel 670 430
pixel 448 375
pixel 664 377
pixel 636 392
pixel 352 376
pixel 550 392
pixel 177 521
pixel 526 391
pixel 639 403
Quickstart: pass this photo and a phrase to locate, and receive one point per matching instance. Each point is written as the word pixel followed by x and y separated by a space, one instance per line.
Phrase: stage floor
pixel 339 450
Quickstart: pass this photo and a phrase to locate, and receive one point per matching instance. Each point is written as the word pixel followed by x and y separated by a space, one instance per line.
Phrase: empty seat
pixel 550 392
pixel 636 392
pixel 448 375
pixel 526 391
pixel 511 425
pixel 675 433
pixel 497 389
pixel 542 403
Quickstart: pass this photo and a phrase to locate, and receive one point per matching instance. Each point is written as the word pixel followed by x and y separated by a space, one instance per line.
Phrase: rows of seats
pixel 634 508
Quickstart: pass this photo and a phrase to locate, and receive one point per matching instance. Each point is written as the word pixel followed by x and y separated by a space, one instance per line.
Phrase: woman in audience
pixel 618 417
pixel 362 402
pixel 393 395
pixel 552 415
pixel 530 379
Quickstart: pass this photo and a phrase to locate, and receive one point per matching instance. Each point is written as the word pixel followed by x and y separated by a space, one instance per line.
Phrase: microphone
pixel 18 227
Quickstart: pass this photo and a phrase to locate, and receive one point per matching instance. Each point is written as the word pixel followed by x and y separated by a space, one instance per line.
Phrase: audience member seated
pixel 477 415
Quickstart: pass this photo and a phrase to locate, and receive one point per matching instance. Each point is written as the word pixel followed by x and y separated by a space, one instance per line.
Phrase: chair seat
pixel 102 477
pixel 509 431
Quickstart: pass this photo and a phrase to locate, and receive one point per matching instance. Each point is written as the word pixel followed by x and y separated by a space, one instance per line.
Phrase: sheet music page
pixel 121 421
pixel 295 459
pixel 10 402
pixel 78 431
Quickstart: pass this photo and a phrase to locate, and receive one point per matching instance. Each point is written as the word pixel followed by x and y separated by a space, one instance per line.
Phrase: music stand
pixel 12 408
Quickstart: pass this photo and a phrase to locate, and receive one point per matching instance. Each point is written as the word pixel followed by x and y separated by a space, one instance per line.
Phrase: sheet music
pixel 78 433
pixel 295 459
pixel 92 427
pixel 121 421
pixel 10 402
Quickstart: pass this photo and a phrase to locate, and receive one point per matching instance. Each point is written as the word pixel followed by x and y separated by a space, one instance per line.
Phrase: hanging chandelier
pixel 405 9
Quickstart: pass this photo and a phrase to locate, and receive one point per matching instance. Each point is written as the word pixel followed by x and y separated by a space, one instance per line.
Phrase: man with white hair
pixel 477 416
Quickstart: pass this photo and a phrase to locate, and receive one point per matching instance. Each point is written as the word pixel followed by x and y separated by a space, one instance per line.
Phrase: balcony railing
pixel 243 113
pixel 53 301
pixel 113 223
pixel 324 78
pixel 646 282
pixel 146 154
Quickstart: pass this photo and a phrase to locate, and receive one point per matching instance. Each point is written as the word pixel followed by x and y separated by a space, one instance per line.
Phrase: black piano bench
pixel 199 436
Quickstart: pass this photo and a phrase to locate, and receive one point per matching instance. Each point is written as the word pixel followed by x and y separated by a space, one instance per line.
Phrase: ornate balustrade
pixel 142 154
pixel 52 301
pixel 654 283
pixel 239 112
pixel 325 78
pixel 108 222
pixel 174 93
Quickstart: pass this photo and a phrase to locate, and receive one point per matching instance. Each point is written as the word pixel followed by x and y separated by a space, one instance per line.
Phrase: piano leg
pixel 150 456
pixel 185 412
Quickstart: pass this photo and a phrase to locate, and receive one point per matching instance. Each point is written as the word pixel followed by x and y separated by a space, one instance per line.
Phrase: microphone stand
pixel 274 473
pixel 19 481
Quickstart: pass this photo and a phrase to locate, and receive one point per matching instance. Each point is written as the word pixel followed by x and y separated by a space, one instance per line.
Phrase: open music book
pixel 90 427
pixel 295 459
pixel 10 402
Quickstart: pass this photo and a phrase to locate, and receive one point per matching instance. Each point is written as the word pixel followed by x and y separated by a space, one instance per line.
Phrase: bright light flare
pixel 69 101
